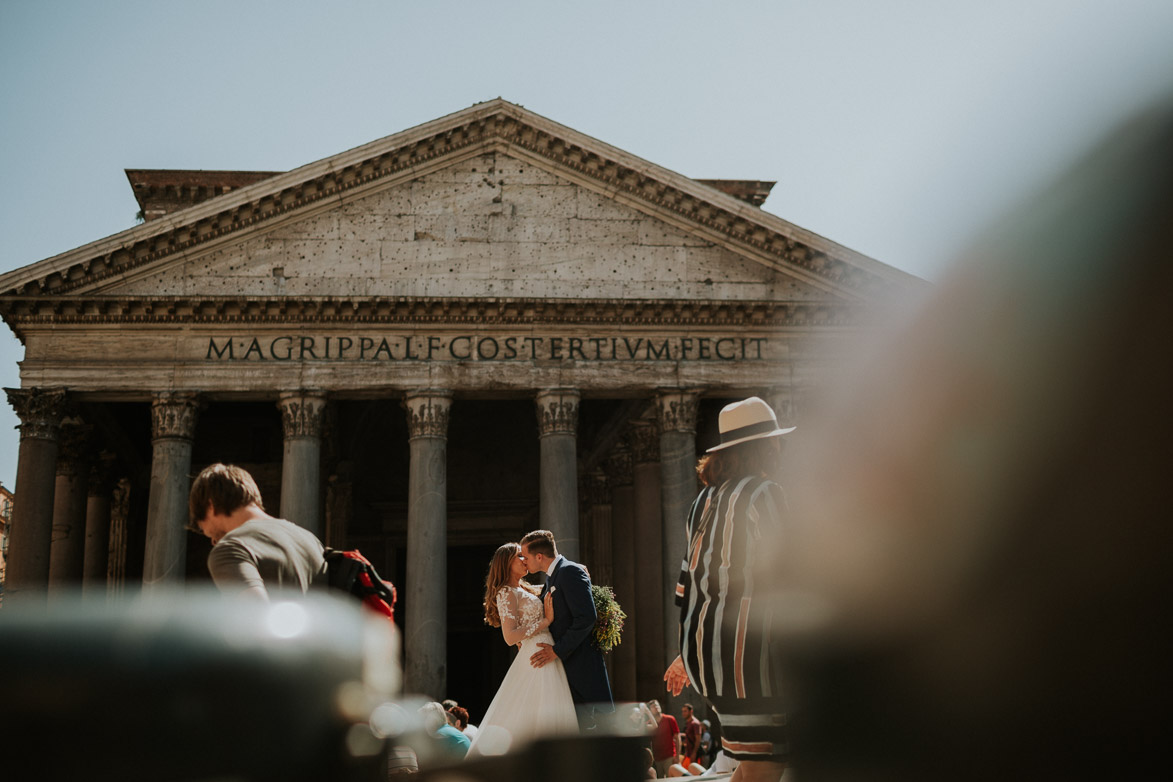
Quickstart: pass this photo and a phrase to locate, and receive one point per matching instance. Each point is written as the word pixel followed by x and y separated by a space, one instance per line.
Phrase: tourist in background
pixel 691 743
pixel 665 741
pixel 449 744
pixel 740 506
pixel 253 553
pixel 460 715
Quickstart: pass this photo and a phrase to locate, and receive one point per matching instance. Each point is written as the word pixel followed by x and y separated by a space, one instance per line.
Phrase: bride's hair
pixel 498 577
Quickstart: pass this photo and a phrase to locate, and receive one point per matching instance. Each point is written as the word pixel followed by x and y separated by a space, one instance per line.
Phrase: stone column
pixel 119 521
pixel 67 554
pixel 649 567
pixel 98 504
pixel 678 488
pixel 558 493
pixel 339 505
pixel 301 470
pixel 30 529
pixel 426 599
pixel 173 420
pixel 618 467
pixel 598 511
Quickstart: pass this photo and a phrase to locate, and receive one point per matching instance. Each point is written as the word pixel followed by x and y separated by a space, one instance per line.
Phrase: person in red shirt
pixel 693 730
pixel 664 741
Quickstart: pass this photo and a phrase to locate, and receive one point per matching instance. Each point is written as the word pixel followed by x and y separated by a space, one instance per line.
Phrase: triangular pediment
pixel 491 225
pixel 490 201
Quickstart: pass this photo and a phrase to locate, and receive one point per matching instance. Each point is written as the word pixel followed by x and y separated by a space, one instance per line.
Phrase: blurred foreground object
pixel 192 686
pixel 613 751
pixel 981 557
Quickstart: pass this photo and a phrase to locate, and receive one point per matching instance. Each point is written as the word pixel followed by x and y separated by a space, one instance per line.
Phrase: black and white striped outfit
pixel 724 631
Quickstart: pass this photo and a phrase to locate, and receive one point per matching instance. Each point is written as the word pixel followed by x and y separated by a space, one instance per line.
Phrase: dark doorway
pixel 477 655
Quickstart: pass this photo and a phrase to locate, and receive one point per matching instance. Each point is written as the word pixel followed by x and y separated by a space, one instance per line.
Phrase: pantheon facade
pixel 422 347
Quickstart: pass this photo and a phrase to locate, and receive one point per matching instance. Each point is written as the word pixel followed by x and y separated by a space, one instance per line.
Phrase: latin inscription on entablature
pixel 480 347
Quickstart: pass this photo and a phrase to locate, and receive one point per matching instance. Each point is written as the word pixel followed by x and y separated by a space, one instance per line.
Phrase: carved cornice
pixel 557 412
pixel 40 411
pixel 302 413
pixel 618 465
pixel 501 126
pixel 677 411
pixel 21 312
pixel 644 440
pixel 427 414
pixel 173 415
pixel 76 449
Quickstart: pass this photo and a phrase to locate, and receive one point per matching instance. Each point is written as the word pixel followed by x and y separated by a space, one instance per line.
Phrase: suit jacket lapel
pixel 550 578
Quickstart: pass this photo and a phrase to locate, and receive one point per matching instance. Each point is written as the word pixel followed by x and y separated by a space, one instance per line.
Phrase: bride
pixel 531 702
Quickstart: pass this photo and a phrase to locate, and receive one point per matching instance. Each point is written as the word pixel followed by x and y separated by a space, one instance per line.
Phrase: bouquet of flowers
pixel 609 621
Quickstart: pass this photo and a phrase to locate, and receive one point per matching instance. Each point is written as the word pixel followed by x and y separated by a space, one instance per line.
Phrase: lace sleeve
pixel 514 625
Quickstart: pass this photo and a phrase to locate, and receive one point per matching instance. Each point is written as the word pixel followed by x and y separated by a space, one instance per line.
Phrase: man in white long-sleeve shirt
pixel 253 553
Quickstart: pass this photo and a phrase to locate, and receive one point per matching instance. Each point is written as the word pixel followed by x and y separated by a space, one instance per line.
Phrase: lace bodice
pixel 521 614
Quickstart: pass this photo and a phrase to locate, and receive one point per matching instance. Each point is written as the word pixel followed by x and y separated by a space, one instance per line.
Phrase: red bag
pixel 350 572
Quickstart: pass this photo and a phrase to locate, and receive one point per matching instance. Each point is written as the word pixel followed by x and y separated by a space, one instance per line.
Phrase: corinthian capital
pixel 103 474
pixel 596 490
pixel 557 411
pixel 618 465
pixel 40 411
pixel 173 415
pixel 77 449
pixel 302 413
pixel 677 411
pixel 427 413
pixel 644 439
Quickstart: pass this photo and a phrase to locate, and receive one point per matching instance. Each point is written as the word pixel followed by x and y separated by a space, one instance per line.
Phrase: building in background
pixel 422 347
pixel 5 519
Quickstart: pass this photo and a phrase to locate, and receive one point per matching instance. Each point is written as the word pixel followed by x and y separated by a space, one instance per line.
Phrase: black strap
pixel 746 431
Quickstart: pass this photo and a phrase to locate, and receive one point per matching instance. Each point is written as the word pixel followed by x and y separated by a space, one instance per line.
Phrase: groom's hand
pixel 543 656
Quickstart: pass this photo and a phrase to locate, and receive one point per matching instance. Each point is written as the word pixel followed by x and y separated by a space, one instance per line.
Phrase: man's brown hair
pixel 225 487
pixel 540 541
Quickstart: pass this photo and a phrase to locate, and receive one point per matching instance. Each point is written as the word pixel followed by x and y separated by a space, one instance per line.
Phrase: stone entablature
pixel 444 345
pixel 23 313
pixel 128 361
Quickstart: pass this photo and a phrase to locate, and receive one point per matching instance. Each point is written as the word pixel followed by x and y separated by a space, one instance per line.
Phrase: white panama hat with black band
pixel 749 419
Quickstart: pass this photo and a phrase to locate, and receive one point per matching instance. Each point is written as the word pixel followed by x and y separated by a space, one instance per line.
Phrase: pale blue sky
pixel 895 128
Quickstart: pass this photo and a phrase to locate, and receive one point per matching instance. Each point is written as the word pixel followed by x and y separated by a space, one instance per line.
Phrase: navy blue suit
pixel 572 628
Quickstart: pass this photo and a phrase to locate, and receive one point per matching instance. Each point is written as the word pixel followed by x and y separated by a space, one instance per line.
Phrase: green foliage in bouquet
pixel 609 621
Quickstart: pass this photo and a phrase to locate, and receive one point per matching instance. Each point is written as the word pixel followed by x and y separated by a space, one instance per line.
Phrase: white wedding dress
pixel 532 702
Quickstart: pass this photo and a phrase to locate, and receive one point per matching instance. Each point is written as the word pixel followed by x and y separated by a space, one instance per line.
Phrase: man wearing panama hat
pixel 725 650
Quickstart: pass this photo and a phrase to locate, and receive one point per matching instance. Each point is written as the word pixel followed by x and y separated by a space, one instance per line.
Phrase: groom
pixel 572 628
